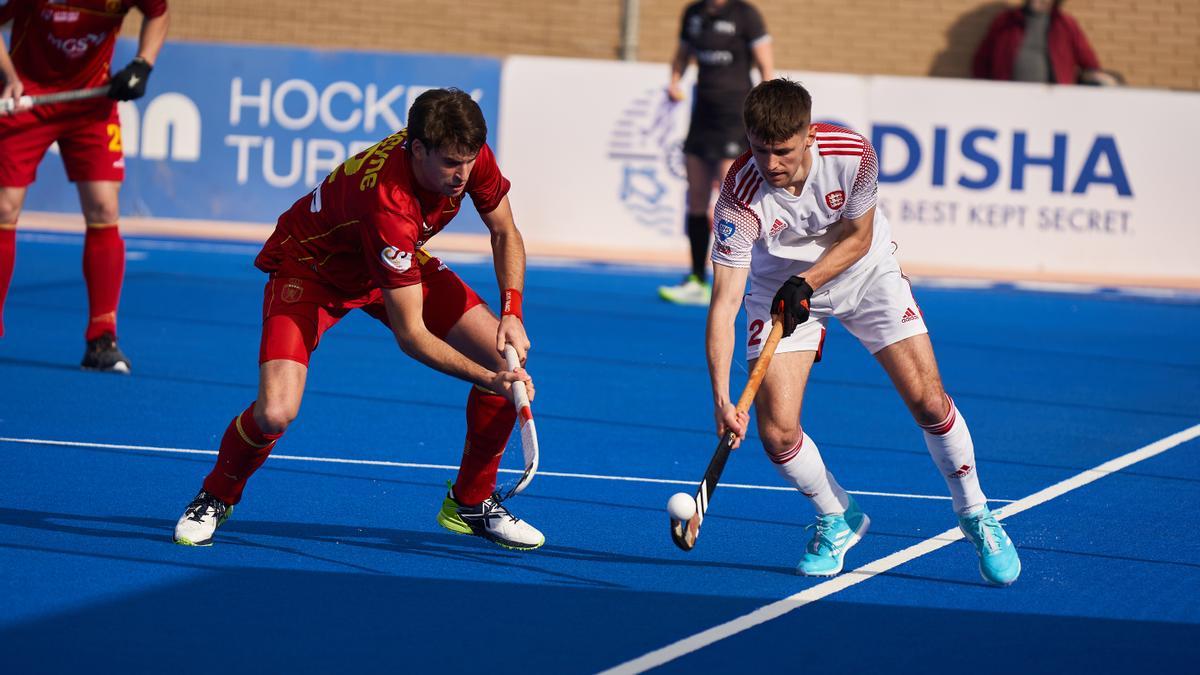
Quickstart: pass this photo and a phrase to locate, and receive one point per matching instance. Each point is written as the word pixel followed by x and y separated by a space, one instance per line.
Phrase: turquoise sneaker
pixel 836 533
pixel 998 561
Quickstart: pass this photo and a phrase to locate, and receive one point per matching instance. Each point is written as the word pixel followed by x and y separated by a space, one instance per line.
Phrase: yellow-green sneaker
pixel 201 519
pixel 490 520
pixel 692 291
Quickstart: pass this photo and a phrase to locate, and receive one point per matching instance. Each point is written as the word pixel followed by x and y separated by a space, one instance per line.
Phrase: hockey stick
pixel 529 441
pixel 684 534
pixel 26 102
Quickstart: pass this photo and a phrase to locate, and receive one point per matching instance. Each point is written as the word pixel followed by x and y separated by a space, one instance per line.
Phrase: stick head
pixel 684 534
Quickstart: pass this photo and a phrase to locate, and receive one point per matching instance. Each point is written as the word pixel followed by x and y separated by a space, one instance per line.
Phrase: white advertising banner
pixel 984 178
pixel 594 152
pixel 1030 180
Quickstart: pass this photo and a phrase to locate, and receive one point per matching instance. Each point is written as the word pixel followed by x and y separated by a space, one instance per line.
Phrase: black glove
pixel 130 83
pixel 791 303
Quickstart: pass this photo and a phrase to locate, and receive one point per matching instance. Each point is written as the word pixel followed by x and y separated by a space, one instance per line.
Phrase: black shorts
pixel 716 133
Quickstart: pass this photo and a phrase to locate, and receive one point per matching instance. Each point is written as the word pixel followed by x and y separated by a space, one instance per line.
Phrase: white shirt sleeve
pixel 865 191
pixel 736 227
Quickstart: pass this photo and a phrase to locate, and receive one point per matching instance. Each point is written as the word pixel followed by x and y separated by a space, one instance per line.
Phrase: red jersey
pixel 363 227
pixel 57 46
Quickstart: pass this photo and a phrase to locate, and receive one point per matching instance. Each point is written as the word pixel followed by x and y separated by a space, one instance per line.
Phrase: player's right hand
pixel 791 303
pixel 502 383
pixel 730 419
pixel 13 89
pixel 675 93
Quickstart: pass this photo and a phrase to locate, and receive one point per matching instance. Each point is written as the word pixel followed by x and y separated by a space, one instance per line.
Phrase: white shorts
pixel 877 307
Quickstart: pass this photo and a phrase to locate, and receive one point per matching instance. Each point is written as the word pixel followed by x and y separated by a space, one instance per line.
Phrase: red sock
pixel 103 269
pixel 8 256
pixel 490 419
pixel 244 448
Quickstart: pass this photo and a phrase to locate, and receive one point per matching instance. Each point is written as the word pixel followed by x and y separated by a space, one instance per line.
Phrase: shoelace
pixel 492 507
pixel 824 526
pixel 987 530
pixel 200 506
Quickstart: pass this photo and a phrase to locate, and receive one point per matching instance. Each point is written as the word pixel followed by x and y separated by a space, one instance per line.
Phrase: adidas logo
pixel 909 315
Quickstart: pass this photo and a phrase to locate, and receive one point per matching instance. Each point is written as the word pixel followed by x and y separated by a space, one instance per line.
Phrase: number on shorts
pixel 114 137
pixel 756 327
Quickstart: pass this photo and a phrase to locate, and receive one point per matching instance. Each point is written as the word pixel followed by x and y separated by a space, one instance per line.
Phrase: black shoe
pixel 104 354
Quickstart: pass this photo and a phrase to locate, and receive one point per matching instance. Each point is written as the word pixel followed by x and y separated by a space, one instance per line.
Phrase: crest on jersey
pixel 396 259
pixel 292 290
pixel 725 230
pixel 835 199
pixel 112 6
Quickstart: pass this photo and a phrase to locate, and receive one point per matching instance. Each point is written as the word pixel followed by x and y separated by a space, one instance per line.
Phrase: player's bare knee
pixel 101 215
pixel 779 441
pixel 932 407
pixel 10 211
pixel 274 418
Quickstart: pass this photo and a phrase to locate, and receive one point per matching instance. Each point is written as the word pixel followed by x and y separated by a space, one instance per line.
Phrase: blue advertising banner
pixel 238 133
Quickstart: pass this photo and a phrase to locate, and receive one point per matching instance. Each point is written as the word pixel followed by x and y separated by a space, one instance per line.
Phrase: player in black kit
pixel 725 38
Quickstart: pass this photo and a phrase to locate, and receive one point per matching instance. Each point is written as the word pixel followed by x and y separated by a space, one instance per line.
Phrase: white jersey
pixel 777 234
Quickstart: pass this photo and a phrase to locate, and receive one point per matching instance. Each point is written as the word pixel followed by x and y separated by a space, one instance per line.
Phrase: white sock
pixel 950 446
pixel 801 465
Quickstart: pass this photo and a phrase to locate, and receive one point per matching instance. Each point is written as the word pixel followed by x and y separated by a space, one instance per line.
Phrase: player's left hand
pixel 512 332
pixel 130 82
pixel 729 418
pixel 791 303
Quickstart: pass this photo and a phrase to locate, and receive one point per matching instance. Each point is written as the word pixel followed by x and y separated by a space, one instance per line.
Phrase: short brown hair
pixel 776 110
pixel 447 119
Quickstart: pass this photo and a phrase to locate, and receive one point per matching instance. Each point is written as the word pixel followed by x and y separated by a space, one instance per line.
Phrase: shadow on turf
pixel 436 544
pixel 267 621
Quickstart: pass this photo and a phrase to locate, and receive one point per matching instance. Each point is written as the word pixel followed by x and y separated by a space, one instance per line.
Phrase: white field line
pixel 825 589
pixel 445 467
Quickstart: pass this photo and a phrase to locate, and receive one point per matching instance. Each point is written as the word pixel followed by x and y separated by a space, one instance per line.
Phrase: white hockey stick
pixel 27 102
pixel 529 441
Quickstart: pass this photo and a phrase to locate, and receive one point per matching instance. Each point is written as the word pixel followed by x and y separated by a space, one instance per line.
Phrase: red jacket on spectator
pixel 1070 51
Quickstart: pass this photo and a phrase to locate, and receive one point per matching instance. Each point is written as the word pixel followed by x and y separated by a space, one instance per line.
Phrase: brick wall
pixel 1154 43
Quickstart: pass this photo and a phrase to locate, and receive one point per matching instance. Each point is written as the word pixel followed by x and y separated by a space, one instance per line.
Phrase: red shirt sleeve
pixel 389 246
pixel 981 65
pixel 1084 54
pixel 487 186
pixel 152 8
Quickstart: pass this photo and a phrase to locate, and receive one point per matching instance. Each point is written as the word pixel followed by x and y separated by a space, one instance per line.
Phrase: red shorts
pixel 88 135
pixel 297 311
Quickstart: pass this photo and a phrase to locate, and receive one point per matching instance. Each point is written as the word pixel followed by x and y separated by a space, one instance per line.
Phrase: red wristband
pixel 512 303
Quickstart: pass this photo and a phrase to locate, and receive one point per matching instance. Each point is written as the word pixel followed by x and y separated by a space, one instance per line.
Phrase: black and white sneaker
pixel 201 519
pixel 490 520
pixel 103 354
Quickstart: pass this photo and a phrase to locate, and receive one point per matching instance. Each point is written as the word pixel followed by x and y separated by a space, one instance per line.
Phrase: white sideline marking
pixel 445 467
pixel 825 589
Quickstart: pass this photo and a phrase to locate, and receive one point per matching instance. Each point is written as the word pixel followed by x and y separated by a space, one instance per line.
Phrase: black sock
pixel 699 232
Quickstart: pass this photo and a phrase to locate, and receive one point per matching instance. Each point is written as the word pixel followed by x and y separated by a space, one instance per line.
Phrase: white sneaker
pixel 201 519
pixel 490 520
pixel 691 292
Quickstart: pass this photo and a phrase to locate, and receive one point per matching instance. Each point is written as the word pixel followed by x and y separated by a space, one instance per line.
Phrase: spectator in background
pixel 56 48
pixel 726 38
pixel 1038 42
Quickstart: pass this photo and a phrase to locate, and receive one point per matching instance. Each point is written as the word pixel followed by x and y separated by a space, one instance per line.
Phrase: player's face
pixel 785 162
pixel 444 171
